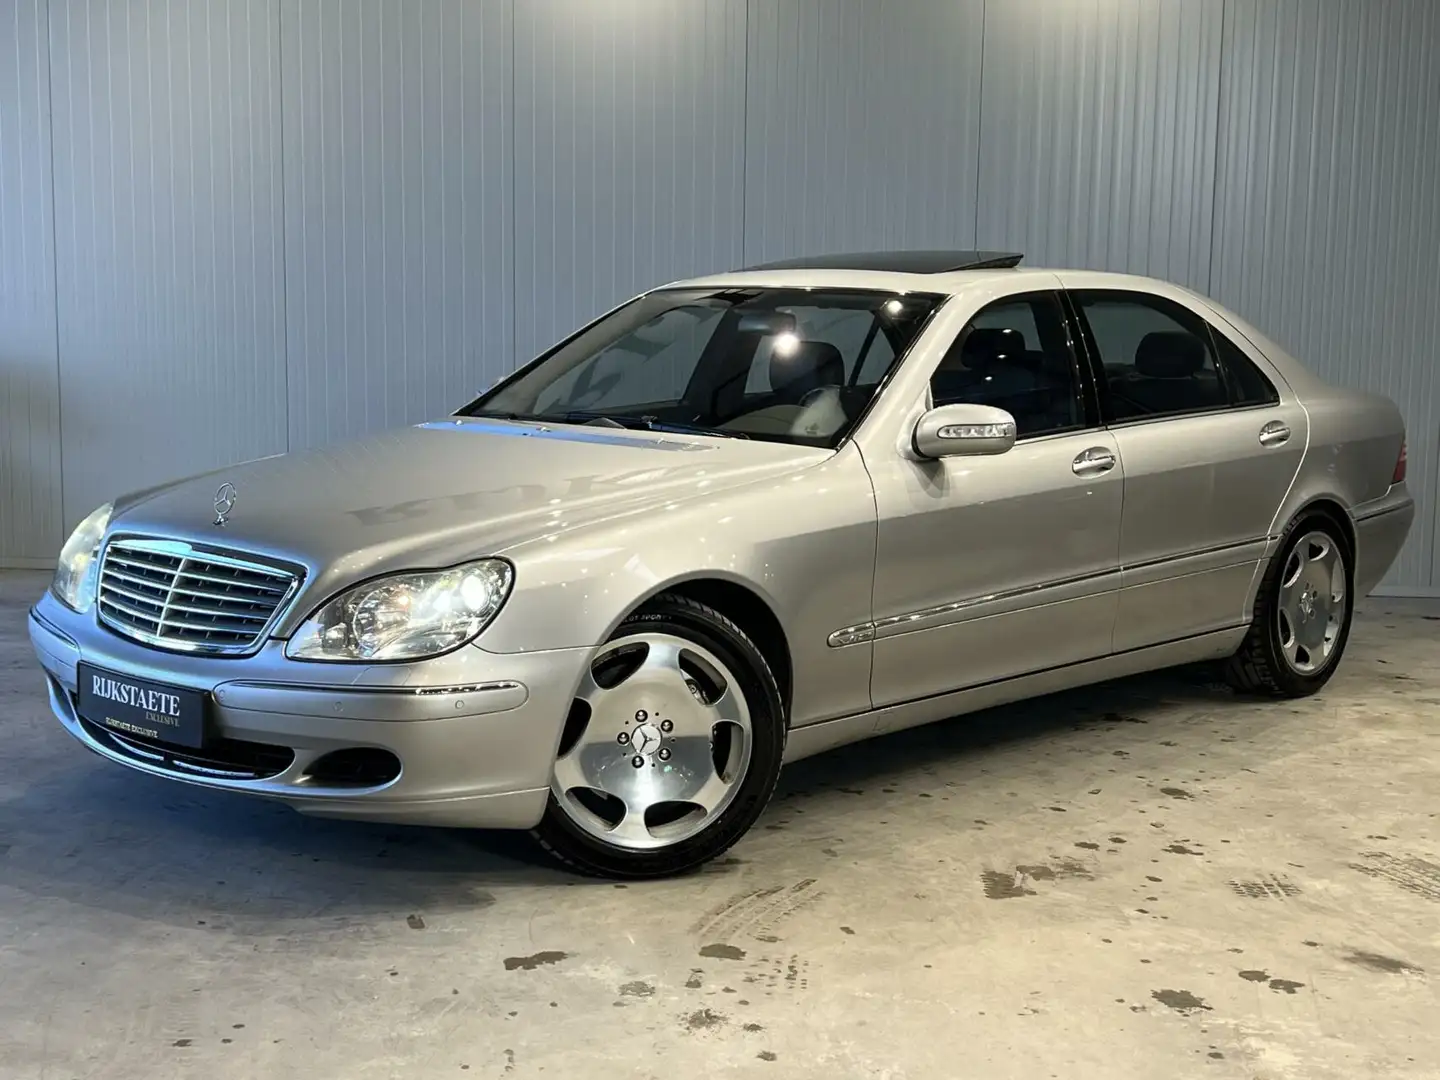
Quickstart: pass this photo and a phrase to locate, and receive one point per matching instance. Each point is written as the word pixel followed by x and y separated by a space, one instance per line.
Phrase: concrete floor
pixel 1148 879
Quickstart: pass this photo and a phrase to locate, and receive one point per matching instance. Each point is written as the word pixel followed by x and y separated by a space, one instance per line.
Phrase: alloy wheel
pixel 657 744
pixel 1312 603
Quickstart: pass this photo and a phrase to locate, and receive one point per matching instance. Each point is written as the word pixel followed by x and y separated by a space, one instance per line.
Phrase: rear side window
pixel 1246 382
pixel 1157 357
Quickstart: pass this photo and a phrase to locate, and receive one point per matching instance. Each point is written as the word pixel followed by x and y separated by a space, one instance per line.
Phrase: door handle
pixel 1274 433
pixel 1093 462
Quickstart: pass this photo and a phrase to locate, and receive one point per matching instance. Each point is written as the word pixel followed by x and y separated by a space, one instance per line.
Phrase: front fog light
pixel 406 616
pixel 79 565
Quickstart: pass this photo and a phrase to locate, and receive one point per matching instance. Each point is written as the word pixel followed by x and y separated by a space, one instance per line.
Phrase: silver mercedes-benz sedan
pixel 736 521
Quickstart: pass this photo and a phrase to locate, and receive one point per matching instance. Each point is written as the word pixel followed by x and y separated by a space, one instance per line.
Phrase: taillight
pixel 1399 476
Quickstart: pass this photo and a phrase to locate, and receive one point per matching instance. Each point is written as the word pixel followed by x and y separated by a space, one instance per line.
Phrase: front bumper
pixel 474 732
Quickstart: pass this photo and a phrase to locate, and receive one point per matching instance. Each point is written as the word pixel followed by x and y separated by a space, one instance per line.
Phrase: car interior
pixel 1172 373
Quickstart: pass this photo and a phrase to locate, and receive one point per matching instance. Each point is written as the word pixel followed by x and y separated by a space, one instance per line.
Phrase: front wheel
pixel 672 747
pixel 1302 615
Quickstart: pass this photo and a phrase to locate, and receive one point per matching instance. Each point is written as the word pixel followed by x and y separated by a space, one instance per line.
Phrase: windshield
pixel 786 365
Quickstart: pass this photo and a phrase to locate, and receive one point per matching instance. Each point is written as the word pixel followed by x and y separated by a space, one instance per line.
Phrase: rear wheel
pixel 1302 615
pixel 672 747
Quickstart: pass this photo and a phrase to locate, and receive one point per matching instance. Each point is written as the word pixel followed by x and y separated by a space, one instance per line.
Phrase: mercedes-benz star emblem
pixel 224 503
pixel 644 737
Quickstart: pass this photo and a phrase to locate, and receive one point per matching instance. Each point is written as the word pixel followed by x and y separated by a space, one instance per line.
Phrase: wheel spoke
pixel 663 656
pixel 1337 582
pixel 730 709
pixel 631 829
pixel 1290 595
pixel 711 795
pixel 568 772
pixel 589 690
pixel 1289 643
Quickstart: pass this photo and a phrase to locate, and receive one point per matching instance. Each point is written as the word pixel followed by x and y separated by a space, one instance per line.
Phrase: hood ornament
pixel 224 503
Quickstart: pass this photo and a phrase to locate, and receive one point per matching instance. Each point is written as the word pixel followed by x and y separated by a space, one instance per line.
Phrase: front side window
pixel 1157 357
pixel 787 365
pixel 1016 355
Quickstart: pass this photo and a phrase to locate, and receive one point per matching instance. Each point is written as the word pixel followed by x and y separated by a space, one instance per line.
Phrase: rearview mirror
pixel 767 323
pixel 953 430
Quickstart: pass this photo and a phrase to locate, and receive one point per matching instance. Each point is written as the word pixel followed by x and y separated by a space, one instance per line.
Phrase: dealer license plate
pixel 142 709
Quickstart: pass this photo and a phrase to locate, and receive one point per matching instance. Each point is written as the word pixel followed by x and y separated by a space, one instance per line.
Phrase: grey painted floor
pixel 1150 879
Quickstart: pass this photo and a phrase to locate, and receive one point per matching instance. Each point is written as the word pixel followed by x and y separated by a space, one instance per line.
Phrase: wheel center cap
pixel 646 739
pixel 1307 604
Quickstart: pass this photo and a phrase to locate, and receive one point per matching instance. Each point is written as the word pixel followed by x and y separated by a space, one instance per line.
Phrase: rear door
pixel 1209 445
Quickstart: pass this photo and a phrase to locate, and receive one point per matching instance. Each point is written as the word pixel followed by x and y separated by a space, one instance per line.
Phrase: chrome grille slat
pixel 204 594
pixel 193 576
pixel 147 616
pixel 135 579
pixel 172 595
pixel 249 616
pixel 214 627
pixel 160 564
pixel 141 598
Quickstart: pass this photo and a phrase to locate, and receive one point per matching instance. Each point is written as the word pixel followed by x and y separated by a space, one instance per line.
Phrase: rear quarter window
pixel 1248 385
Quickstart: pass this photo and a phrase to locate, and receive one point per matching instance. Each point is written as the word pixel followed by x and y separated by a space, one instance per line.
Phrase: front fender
pixel 804 543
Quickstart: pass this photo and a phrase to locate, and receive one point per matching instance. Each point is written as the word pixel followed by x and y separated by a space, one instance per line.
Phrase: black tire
pixel 1259 665
pixel 711 630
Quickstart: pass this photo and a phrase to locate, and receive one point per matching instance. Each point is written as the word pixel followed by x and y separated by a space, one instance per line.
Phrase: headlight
pixel 405 616
pixel 79 566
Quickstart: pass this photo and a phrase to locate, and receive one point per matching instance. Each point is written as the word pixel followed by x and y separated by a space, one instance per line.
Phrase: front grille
pixel 223 759
pixel 170 594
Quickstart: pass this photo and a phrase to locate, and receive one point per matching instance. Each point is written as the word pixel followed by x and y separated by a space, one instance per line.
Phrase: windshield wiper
pixel 695 429
pixel 623 420
pixel 654 423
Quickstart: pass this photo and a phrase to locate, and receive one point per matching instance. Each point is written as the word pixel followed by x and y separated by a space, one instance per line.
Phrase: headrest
pixel 985 346
pixel 806 366
pixel 1169 354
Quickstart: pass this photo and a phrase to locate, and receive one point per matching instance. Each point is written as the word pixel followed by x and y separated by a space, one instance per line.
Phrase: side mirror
pixel 953 430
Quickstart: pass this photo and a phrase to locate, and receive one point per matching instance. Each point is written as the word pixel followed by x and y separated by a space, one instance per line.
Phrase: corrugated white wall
pixel 629 143
pixel 1327 229
pixel 399 268
pixel 165 128
pixel 1098 133
pixel 861 126
pixel 277 223
pixel 30 474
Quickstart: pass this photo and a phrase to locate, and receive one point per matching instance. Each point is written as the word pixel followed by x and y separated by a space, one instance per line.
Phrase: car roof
pixel 930 271
pixel 936 272
pixel 886 280
pixel 904 262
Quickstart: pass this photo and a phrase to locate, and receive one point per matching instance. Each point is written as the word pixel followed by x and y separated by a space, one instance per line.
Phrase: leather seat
pixel 804 368
pixel 993 367
pixel 1171 374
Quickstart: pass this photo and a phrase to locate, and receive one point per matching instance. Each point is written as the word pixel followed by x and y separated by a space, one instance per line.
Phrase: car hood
pixel 442 492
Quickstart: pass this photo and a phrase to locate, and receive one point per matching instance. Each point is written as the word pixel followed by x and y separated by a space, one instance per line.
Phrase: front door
pixel 1210 448
pixel 992 567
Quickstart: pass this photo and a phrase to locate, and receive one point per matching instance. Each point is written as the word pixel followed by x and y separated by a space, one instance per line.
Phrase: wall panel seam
pixel 979 121
pixel 1215 172
pixel 55 268
pixel 284 214
pixel 745 134
pixel 513 108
